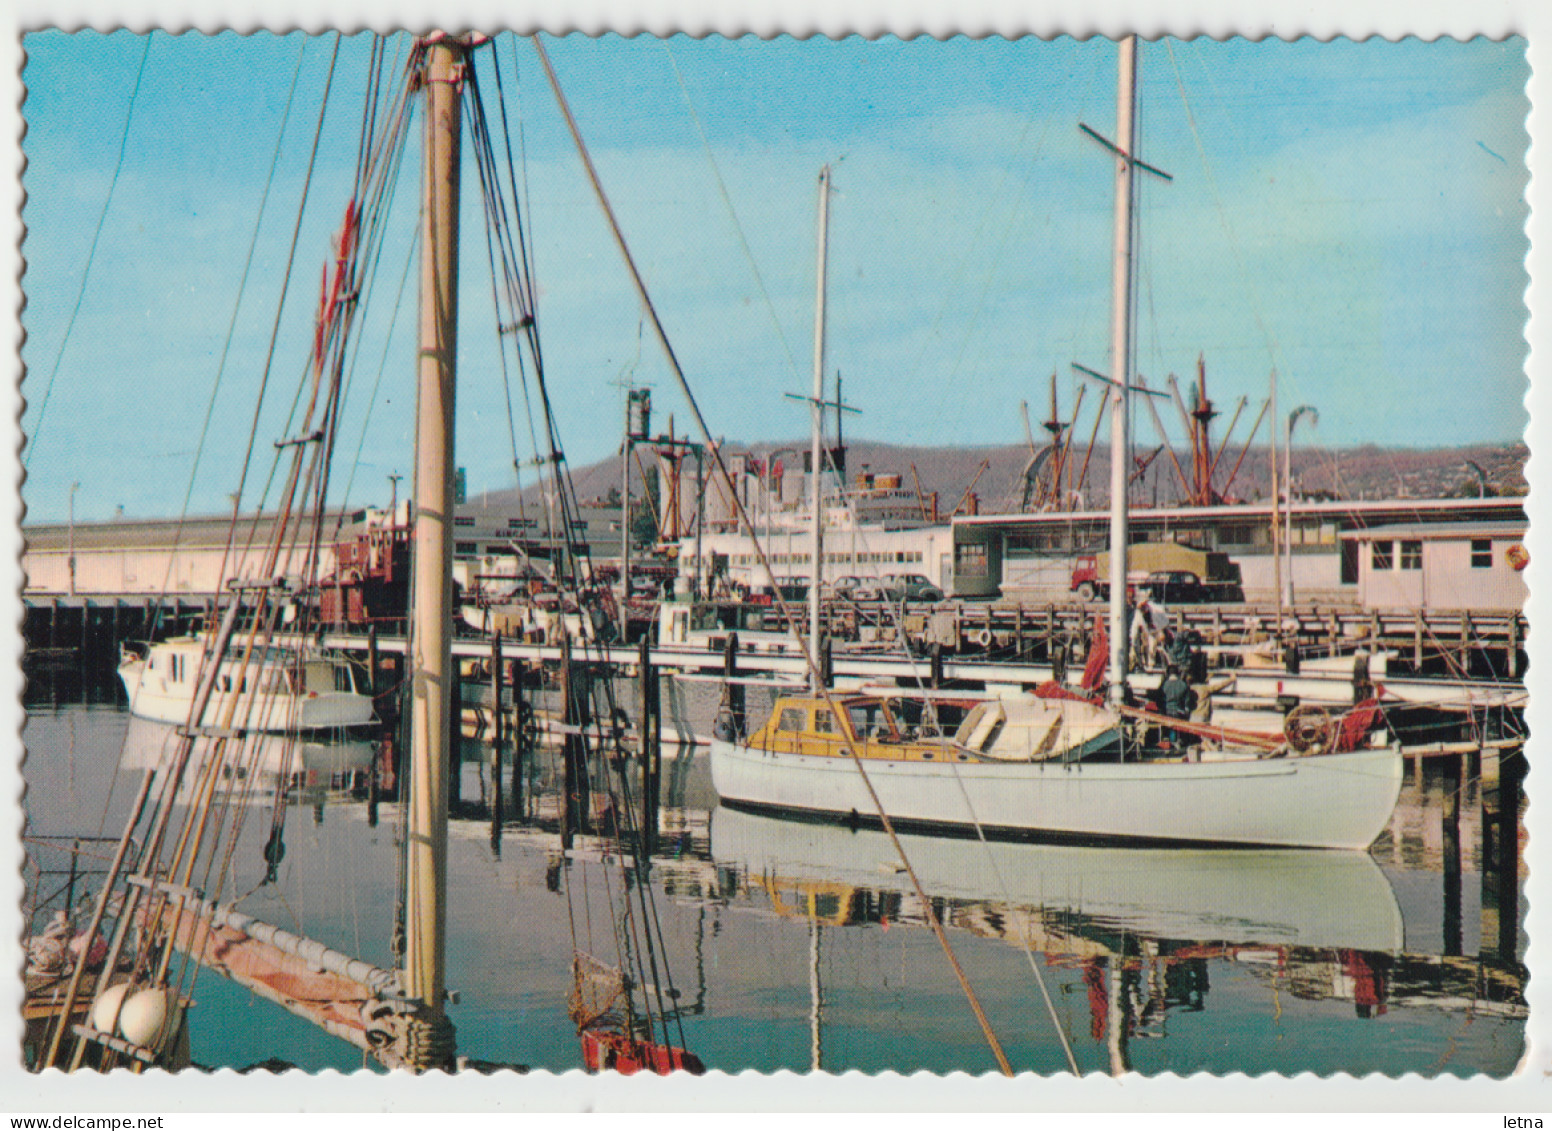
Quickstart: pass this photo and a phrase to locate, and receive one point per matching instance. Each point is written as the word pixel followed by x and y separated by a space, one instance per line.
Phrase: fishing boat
pixel 1065 764
pixel 276 690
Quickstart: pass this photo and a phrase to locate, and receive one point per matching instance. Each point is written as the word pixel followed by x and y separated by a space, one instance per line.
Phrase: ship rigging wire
pixel 727 200
pixel 91 256
pixel 721 469
pixel 638 934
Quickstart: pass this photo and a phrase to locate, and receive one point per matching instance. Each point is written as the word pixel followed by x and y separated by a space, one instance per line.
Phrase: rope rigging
pixel 806 650
pixel 91 256
pixel 233 749
pixel 639 942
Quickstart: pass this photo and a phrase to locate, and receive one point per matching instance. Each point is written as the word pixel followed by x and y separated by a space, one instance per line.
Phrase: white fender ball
pixel 106 1007
pixel 143 1016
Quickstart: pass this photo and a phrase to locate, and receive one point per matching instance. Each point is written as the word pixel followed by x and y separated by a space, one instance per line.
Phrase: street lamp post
pixel 70 537
pixel 1293 418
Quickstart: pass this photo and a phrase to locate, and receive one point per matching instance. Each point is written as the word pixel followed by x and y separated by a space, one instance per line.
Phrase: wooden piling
pixel 1512 647
pixel 737 706
pixel 373 788
pixel 1453 783
pixel 649 734
pixel 520 736
pixel 1506 868
pixel 1417 640
pixel 496 737
pixel 373 681
pixel 574 817
pixel 455 734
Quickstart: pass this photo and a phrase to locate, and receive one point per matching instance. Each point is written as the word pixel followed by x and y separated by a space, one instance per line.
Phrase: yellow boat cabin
pixel 1014 731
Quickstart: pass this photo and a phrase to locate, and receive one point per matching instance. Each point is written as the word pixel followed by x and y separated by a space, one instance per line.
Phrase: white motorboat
pixel 276 690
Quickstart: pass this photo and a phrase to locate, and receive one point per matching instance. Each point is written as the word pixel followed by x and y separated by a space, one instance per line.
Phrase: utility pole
pixel 625 531
pixel 442 77
pixel 1293 418
pixel 1277 555
pixel 70 537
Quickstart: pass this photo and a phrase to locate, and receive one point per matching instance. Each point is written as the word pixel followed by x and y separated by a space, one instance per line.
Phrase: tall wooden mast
pixel 1121 341
pixel 442 77
pixel 817 406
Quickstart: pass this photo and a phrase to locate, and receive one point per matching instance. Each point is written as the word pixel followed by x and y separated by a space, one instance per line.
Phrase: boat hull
pixel 1328 801
pixel 151 697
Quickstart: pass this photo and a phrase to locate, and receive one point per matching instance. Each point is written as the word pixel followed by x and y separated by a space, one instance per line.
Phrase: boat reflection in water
pixel 1284 897
pixel 1138 932
pixel 312 768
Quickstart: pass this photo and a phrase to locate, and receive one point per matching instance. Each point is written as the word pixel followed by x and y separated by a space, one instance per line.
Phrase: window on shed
pixel 466 548
pixel 1481 553
pixel 1384 556
pixel 1412 555
pixel 973 560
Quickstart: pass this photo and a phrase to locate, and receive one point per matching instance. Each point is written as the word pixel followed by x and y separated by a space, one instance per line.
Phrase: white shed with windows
pixel 1446 565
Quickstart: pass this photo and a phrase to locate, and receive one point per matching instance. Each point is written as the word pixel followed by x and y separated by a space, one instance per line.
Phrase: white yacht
pixel 275 690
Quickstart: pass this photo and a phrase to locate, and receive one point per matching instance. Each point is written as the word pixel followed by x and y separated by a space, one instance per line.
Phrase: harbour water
pixel 782 944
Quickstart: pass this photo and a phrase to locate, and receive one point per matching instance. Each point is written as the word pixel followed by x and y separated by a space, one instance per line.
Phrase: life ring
pixel 1309 729
pixel 980 636
pixel 1518 557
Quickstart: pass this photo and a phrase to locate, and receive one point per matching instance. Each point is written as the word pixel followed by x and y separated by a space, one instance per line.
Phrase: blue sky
pixel 1351 213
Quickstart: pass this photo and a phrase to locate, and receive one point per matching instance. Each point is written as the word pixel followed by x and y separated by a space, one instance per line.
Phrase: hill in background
pixel 1354 473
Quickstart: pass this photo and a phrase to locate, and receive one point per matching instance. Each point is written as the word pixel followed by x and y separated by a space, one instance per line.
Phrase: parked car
pixel 792 589
pixel 869 589
pixel 1175 587
pixel 848 587
pixel 910 587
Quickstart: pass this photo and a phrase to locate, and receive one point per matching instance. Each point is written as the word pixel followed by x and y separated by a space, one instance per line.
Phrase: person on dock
pixel 1179 700
pixel 1149 624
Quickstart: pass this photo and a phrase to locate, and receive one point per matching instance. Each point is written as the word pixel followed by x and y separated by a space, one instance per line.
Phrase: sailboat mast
pixel 816 409
pixel 1122 336
pixel 432 610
